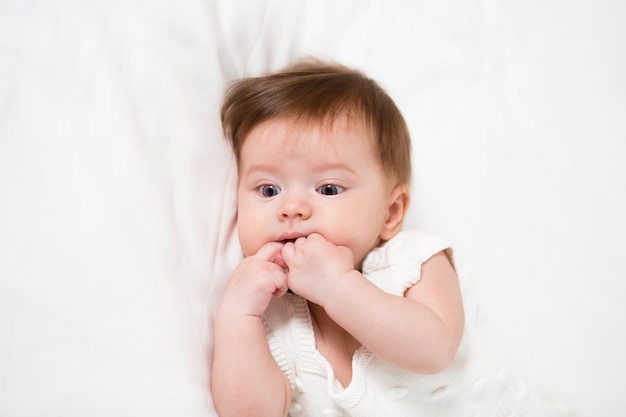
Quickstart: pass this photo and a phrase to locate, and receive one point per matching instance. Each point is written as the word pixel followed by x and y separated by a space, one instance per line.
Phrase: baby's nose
pixel 295 208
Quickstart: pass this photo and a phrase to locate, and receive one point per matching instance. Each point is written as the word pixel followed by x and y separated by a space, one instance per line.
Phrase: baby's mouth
pixel 290 237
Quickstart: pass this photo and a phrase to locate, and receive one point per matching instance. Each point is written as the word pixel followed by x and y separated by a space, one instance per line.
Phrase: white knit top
pixel 476 384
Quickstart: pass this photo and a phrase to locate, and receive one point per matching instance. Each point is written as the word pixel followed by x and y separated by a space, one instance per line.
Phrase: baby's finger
pixel 280 261
pixel 315 236
pixel 269 250
pixel 282 290
pixel 287 252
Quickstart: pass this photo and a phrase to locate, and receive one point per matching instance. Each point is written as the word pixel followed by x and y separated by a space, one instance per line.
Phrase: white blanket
pixel 117 191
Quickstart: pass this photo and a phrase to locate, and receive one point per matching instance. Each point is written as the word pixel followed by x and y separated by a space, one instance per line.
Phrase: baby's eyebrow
pixel 333 166
pixel 322 166
pixel 265 167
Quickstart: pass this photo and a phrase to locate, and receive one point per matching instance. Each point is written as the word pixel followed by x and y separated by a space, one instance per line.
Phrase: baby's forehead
pixel 330 127
pixel 335 142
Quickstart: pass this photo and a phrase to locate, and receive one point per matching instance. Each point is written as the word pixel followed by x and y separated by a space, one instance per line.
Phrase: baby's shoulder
pixel 396 265
pixel 410 246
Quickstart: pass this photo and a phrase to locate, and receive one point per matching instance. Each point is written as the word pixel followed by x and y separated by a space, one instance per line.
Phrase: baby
pixel 335 311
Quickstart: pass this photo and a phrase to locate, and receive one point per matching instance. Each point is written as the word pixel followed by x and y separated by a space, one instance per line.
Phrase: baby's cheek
pixel 249 238
pixel 249 245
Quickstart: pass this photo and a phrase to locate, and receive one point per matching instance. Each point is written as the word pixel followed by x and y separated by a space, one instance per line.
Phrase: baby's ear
pixel 398 205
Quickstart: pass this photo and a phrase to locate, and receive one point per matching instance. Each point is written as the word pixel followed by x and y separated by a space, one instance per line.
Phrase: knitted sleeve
pixel 397 265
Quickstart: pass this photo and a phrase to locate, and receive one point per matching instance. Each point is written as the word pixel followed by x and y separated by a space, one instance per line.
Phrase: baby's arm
pixel 419 332
pixel 245 379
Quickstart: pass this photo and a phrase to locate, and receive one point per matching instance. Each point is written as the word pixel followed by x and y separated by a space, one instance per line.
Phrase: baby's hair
pixel 313 91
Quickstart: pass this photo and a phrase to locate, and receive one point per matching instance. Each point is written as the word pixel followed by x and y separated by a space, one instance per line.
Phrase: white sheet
pixel 116 202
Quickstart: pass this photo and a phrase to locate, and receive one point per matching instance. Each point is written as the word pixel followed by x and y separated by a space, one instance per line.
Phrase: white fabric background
pixel 116 190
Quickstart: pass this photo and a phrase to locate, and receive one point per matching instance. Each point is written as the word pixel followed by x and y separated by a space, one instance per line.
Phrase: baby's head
pixel 321 149
pixel 318 93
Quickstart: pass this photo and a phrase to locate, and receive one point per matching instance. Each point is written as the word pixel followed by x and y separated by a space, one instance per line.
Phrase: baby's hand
pixel 315 266
pixel 255 281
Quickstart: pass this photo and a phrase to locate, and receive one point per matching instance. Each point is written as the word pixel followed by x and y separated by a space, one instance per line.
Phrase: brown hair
pixel 315 91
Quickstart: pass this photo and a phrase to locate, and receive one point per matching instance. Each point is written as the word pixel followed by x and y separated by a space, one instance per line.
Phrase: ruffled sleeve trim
pixel 397 265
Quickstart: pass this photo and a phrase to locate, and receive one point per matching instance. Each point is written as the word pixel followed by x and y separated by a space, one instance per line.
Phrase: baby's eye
pixel 268 190
pixel 330 189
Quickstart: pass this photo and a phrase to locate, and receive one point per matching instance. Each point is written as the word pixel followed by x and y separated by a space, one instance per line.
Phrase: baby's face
pixel 298 179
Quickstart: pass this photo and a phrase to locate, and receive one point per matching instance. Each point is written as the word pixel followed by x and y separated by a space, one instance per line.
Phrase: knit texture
pixel 476 383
